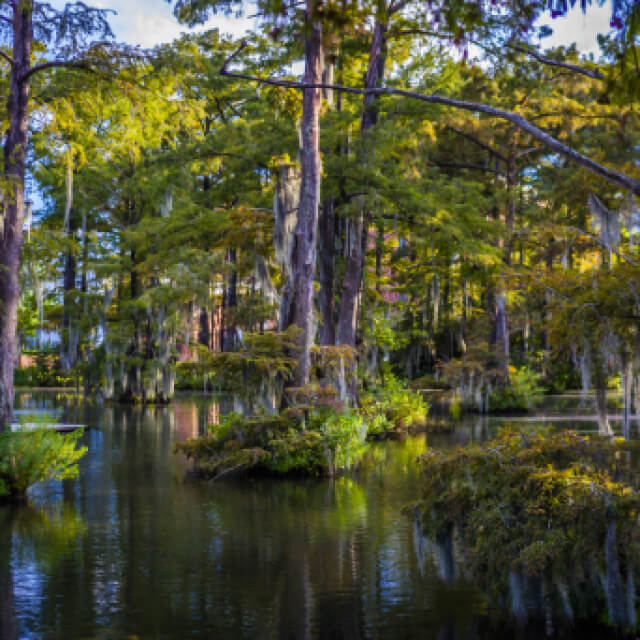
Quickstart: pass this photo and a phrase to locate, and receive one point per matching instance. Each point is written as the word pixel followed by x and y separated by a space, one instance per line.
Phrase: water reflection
pixel 35 543
pixel 154 554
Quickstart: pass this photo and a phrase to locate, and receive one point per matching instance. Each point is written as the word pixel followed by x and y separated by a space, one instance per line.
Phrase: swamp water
pixel 137 549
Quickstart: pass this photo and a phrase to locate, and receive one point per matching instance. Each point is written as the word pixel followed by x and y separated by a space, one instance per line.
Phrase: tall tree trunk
pixel 15 148
pixel 204 334
pixel 327 235
pixel 501 313
pixel 231 296
pixel 326 271
pixel 304 251
pixel 69 350
pixel 348 316
pixel 600 379
pixel 356 231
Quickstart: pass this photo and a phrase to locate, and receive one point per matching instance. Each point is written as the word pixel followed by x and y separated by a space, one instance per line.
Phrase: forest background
pixel 187 218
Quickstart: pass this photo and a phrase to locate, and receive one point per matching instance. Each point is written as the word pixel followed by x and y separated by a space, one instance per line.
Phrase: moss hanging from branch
pixel 547 523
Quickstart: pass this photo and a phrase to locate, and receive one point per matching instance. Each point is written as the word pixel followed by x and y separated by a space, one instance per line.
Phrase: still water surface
pixel 135 548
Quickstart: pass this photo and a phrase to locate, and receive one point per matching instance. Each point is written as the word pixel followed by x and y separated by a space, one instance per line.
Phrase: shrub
pixel 523 391
pixel 551 513
pixel 27 457
pixel 393 408
pixel 321 442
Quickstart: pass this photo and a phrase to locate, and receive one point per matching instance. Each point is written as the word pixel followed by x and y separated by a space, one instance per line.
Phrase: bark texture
pixel 326 272
pixel 15 147
pixel 355 241
pixel 304 250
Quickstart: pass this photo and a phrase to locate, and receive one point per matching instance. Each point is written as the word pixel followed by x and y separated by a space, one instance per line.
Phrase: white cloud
pixel 151 22
pixel 581 28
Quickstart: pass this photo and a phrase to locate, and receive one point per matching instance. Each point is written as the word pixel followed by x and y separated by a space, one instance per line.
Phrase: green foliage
pixel 263 356
pixel 30 456
pixel 540 505
pixel 521 393
pixel 322 443
pixel 393 407
pixel 45 372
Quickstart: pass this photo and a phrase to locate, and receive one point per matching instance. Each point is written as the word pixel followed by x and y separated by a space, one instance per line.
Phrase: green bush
pixel 393 408
pixel 552 513
pixel 523 391
pixel 42 376
pixel 320 443
pixel 27 457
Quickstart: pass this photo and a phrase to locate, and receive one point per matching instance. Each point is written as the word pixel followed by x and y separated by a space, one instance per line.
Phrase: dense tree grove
pixel 438 197
pixel 356 202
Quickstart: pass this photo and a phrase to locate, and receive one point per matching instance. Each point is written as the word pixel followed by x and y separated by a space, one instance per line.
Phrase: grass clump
pixel 27 457
pixel 547 523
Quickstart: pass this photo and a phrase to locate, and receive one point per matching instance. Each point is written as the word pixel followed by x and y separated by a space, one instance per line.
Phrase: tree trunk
pixel 501 316
pixel 356 227
pixel 304 251
pixel 348 316
pixel 231 296
pixel 69 350
pixel 285 210
pixel 15 148
pixel 604 428
pixel 326 272
pixel 204 335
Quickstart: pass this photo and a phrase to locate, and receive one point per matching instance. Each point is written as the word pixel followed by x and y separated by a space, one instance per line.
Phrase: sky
pixel 151 22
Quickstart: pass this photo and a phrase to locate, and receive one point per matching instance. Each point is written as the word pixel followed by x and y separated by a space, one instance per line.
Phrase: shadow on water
pixel 136 548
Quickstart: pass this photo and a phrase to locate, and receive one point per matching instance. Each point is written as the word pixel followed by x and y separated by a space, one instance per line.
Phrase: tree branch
pixel 482 145
pixel 591 73
pixel 52 64
pixel 611 175
pixel 8 58
pixel 527 151
pixel 397 6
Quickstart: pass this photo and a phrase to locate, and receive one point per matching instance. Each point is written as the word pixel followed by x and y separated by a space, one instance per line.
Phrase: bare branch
pixel 398 5
pixel 229 60
pixel 575 303
pixel 611 175
pixel 591 73
pixel 482 145
pixel 73 64
pixel 527 151
pixel 8 58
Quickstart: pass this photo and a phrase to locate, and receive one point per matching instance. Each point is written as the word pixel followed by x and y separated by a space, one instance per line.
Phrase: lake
pixel 137 548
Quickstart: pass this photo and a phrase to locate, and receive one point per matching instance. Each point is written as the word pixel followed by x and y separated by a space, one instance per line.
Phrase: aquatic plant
pixel 546 523
pixel 27 457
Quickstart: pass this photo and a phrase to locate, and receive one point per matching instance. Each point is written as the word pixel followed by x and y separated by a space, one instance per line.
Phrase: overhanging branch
pixel 591 73
pixel 611 175
pixel 73 64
